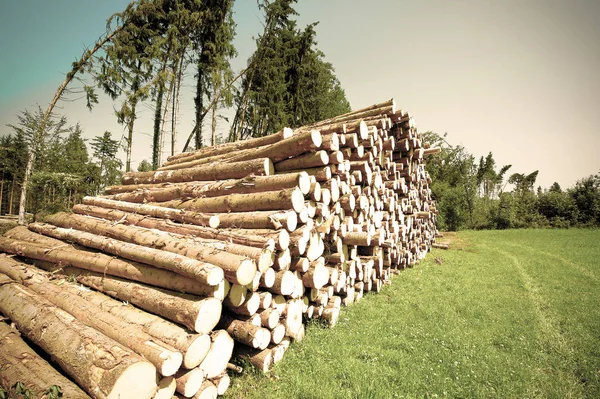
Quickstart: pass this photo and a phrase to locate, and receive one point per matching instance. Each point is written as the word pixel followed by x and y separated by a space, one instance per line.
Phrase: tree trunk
pixel 11 197
pixel 216 171
pixel 130 124
pixel 165 358
pixel 160 212
pixel 39 134
pixel 22 364
pixel 237 269
pixel 156 137
pixel 30 246
pixel 265 201
pixel 196 313
pixel 213 122
pixel 169 191
pixel 104 368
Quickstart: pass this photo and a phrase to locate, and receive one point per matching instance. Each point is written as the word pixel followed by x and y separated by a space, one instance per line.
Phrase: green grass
pixel 510 314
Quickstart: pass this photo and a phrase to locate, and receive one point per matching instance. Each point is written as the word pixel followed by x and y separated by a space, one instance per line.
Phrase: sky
pixel 518 78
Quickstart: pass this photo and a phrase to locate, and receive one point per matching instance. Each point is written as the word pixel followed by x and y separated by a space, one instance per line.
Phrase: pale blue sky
pixel 518 78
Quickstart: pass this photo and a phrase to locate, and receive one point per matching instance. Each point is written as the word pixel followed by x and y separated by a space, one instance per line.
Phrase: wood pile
pixel 143 292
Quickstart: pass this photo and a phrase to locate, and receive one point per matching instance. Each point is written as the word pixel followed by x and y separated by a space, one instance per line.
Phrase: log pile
pixel 142 292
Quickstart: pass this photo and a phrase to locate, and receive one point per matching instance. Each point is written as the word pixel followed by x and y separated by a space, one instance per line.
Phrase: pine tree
pixel 288 83
pixel 105 151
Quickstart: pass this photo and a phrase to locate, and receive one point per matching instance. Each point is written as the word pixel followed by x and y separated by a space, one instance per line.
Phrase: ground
pixel 511 314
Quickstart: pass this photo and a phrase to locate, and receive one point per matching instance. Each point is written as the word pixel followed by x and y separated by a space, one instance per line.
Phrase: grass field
pixel 510 314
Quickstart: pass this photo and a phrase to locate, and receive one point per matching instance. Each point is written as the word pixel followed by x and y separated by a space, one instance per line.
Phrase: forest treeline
pixel 140 62
pixel 478 194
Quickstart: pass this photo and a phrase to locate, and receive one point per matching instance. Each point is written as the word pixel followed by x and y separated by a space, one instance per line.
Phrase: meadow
pixel 509 314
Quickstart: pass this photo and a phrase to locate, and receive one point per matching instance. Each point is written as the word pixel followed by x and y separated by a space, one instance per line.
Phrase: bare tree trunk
pixel 130 138
pixel 176 102
pixel 11 196
pixel 213 124
pixel 1 194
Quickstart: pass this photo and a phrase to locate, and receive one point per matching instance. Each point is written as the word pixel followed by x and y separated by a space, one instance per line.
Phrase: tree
pixel 80 65
pixel 586 195
pixel 105 151
pixel 213 46
pixel 454 182
pixel 287 82
pixel 144 166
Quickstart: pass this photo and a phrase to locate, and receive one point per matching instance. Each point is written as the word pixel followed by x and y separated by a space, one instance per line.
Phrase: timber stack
pixel 149 290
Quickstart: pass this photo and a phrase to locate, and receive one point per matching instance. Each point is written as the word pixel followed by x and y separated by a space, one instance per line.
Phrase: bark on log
pixel 231 147
pixel 22 364
pixel 305 161
pixel 274 220
pixel 265 201
pixel 198 314
pixel 177 215
pixel 245 333
pixel 165 358
pixel 213 171
pixel 261 359
pixel 104 368
pixel 193 346
pixel 65 255
pixel 237 269
pixel 191 268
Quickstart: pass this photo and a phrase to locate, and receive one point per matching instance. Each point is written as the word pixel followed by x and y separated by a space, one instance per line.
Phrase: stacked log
pixel 241 242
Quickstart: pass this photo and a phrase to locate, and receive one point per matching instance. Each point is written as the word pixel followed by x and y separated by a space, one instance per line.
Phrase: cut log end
pixel 208 390
pixel 220 352
pixel 246 272
pixel 316 138
pixel 269 167
pixel 304 182
pixel 297 201
pixel 166 388
pixel 208 315
pixel 197 351
pixel 139 380
pixel 171 362
pixel 189 381
pixel 214 221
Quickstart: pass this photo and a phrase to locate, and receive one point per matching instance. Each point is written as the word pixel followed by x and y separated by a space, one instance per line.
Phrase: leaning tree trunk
pixel 39 133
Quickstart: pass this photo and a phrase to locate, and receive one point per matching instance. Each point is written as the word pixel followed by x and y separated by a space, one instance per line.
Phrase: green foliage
pixel 105 153
pixel 472 195
pixel 63 173
pixel 144 166
pixel 586 195
pixel 288 83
